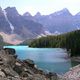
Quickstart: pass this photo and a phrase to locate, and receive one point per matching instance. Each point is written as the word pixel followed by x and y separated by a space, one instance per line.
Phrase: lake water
pixel 48 59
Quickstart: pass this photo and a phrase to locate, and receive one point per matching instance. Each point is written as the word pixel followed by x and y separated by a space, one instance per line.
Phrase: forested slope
pixel 70 41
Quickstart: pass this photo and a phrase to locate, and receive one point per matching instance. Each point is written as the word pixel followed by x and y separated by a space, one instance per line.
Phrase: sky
pixel 45 7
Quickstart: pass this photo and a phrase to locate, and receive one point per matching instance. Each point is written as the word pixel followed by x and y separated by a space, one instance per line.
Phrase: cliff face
pixel 11 22
pixel 4 25
pixel 11 68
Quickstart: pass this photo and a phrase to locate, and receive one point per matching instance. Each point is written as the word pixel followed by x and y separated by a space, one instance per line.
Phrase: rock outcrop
pixel 12 68
pixel 11 22
pixel 73 74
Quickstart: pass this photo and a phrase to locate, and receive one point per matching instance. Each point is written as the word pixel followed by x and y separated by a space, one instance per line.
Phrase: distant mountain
pixel 61 21
pixel 38 15
pixel 28 16
pixel 11 22
pixel 28 27
pixel 4 25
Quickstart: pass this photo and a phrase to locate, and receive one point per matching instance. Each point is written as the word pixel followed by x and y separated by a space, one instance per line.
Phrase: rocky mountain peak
pixel 64 11
pixel 12 10
pixel 1 12
pixel 0 9
pixel 27 14
pixel 38 14
pixel 78 14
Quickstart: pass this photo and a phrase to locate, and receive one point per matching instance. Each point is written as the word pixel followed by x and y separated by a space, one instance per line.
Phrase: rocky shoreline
pixel 77 59
pixel 12 68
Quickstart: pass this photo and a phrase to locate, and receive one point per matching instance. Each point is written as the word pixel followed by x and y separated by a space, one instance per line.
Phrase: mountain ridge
pixel 31 27
pixel 11 22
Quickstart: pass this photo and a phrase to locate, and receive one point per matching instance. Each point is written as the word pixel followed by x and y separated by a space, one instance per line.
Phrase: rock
pixel 1 47
pixel 2 74
pixel 10 50
pixel 15 56
pixel 7 58
pixel 28 71
pixel 1 63
pixel 73 74
pixel 0 59
pixel 25 74
pixel 12 68
pixel 18 69
pixel 2 78
pixel 29 62
pixel 18 64
pixel 9 72
pixel 52 76
pixel 39 77
pixel 13 78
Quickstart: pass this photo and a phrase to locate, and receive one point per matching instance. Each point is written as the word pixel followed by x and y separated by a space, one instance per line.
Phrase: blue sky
pixel 43 6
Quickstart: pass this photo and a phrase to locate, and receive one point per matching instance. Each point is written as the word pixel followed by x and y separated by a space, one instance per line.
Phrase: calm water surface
pixel 48 59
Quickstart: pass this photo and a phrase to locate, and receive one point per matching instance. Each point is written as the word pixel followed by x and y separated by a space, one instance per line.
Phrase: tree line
pixel 70 41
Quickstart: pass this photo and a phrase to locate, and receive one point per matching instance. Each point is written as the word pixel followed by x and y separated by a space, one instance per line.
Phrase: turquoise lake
pixel 47 59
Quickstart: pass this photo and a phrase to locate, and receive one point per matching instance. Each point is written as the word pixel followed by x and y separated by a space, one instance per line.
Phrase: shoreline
pixel 76 59
pixel 12 68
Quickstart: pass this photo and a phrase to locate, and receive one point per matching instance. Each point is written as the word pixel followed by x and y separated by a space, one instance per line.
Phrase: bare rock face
pixel 12 68
pixel 4 25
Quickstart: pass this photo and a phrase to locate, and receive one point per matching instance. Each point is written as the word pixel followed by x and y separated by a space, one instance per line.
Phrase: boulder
pixel 10 50
pixel 18 69
pixel 9 72
pixel 2 78
pixel 29 62
pixel 39 77
pixel 7 58
pixel 51 76
pixel 2 74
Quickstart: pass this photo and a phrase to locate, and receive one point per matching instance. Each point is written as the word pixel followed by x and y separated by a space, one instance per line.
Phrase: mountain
pixel 26 26
pixel 28 16
pixel 61 21
pixel 11 22
pixel 77 20
pixel 4 25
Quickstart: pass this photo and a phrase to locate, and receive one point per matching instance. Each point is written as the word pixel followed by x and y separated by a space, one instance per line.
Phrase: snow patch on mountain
pixel 47 33
pixel 11 26
pixel 56 33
